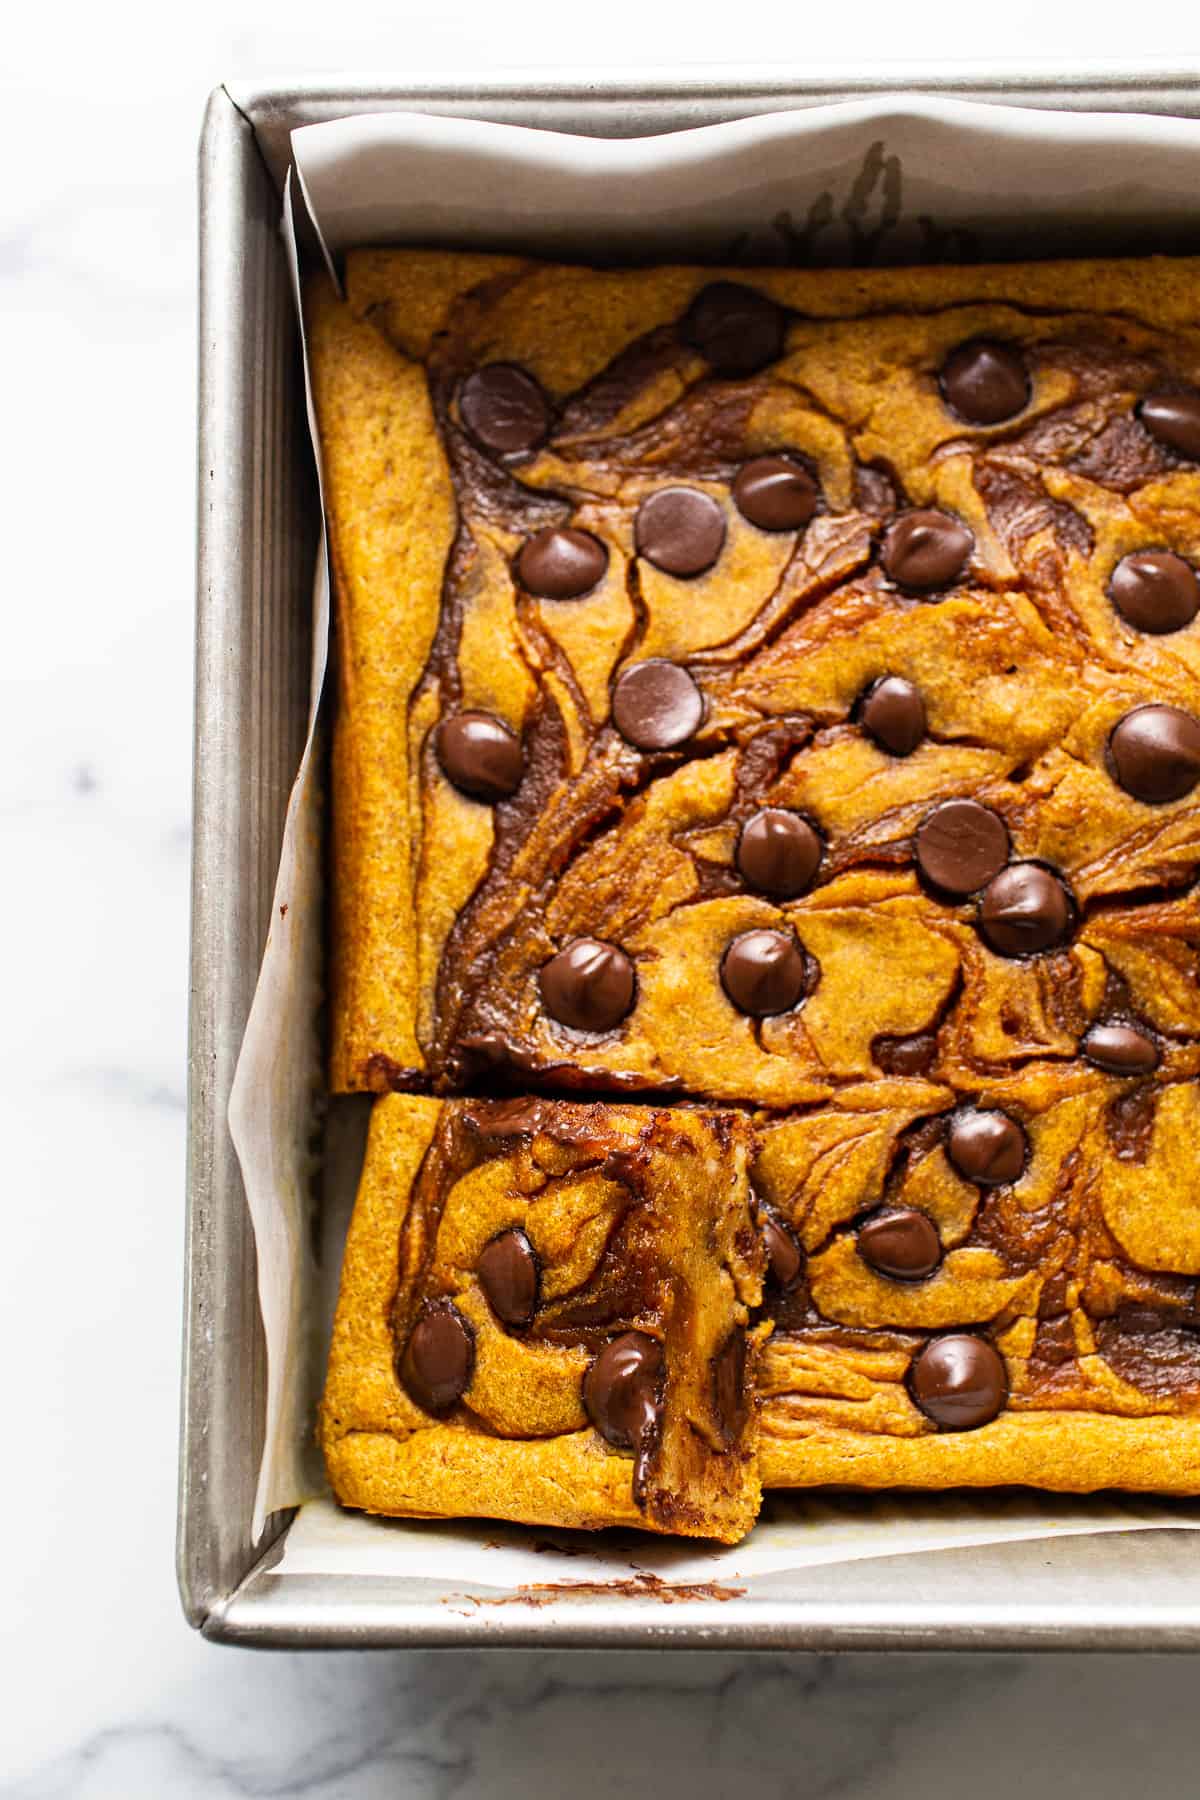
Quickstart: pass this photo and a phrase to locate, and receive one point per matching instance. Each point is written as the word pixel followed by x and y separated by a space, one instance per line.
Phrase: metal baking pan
pixel 257 538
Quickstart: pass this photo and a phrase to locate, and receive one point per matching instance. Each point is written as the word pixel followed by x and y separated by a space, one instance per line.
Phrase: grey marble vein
pixel 508 1726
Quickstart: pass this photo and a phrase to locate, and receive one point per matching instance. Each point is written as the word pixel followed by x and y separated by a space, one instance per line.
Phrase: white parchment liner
pixel 883 180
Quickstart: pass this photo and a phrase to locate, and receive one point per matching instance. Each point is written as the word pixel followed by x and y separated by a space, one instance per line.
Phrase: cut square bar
pixel 982 1294
pixel 545 1316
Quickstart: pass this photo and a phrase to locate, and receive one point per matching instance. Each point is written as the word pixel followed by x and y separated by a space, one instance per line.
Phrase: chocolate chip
pixel 1155 753
pixel 1155 591
pixel 775 493
pixel 1121 1049
pixel 731 1402
pixel 912 1055
pixel 960 845
pixel 904 1245
pixel 439 1358
pixel 764 972
pixel 504 409
pixel 499 1119
pixel 735 329
pixel 959 1381
pixel 985 382
pixel 480 755
pixel 926 550
pixel 558 564
pixel 1174 419
pixel 893 713
pixel 590 985
pixel 987 1147
pixel 785 1259
pixel 492 1053
pixel 681 530
pixel 622 1389
pixel 656 704
pixel 508 1274
pixel 1025 910
pixel 778 852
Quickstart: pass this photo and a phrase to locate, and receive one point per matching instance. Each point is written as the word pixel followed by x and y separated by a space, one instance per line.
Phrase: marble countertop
pixel 108 1693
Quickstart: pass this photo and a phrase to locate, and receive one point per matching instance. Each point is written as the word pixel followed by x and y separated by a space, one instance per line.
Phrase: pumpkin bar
pixel 977 1293
pixel 752 686
pixel 544 1316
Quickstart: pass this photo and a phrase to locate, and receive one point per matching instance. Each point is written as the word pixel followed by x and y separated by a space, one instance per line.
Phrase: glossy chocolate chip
pixel 926 550
pixel 960 845
pixel 904 1245
pixel 622 1389
pixel 987 1147
pixel 1025 910
pixel 1174 419
pixel 778 853
pixel 504 409
pixel 959 1381
pixel 561 564
pixel 785 1259
pixel 656 705
pixel 1155 753
pixel 911 1055
pixel 590 985
pixel 1155 591
pixel 736 329
pixel 985 382
pixel 1121 1049
pixel 893 713
pixel 680 530
pixel 764 972
pixel 508 1274
pixel 480 755
pixel 500 1119
pixel 439 1358
pixel 775 493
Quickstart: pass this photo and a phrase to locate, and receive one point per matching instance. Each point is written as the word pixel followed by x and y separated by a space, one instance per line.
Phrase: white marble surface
pixel 106 1693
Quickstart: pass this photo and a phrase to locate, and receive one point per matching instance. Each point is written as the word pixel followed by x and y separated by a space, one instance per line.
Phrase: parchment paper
pixel 795 1531
pixel 866 181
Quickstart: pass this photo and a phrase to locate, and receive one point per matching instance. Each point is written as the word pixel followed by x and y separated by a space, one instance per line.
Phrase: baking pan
pixel 257 535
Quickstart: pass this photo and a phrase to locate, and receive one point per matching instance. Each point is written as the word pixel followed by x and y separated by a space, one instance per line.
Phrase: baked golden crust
pixel 391 524
pixel 1081 1454
pixel 639 1224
